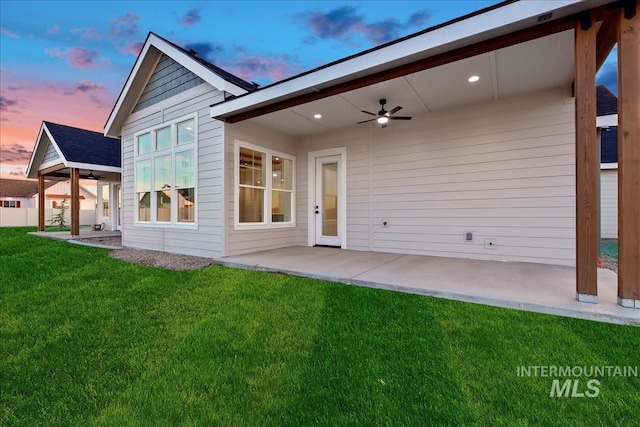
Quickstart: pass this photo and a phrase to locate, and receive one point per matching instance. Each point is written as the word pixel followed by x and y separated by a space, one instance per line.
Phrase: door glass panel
pixel 330 199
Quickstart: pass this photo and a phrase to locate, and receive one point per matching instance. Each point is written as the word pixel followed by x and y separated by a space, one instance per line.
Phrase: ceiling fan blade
pixel 395 110
pixel 371 114
pixel 400 118
pixel 365 121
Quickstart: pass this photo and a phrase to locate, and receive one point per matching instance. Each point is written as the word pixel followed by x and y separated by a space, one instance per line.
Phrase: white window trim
pixel 175 148
pixel 267 203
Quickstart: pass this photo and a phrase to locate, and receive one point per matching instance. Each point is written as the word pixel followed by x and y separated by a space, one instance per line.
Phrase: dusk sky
pixel 66 62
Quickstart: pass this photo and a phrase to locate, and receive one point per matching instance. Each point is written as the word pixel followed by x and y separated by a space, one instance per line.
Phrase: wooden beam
pixel 75 202
pixel 606 38
pixel 499 42
pixel 629 157
pixel 586 162
pixel 41 203
pixel 48 170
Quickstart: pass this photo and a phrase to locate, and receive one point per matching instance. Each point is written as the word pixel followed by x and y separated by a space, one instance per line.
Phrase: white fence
pixel 23 217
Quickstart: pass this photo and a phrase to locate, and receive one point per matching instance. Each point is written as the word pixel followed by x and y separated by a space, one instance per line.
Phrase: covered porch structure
pixel 519 48
pixel 65 153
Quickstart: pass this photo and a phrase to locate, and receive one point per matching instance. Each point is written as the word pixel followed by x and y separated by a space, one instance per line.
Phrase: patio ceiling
pixel 543 63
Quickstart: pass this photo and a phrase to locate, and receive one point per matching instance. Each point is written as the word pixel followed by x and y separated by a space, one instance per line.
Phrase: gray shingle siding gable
pixel 51 154
pixel 168 79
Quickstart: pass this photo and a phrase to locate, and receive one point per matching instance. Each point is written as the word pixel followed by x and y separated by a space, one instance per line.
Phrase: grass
pixel 89 340
pixel 609 247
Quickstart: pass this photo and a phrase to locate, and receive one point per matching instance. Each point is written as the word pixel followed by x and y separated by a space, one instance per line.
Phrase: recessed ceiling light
pixel 317 116
pixel 473 79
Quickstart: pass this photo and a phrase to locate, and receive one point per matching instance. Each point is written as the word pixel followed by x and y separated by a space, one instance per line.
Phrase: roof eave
pixel 145 64
pixel 458 34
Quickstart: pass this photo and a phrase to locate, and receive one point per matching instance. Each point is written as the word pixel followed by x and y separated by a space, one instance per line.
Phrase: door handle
pixel 317 210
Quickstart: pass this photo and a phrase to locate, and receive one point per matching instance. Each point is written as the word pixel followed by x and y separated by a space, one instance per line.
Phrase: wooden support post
pixel 629 155
pixel 41 202
pixel 75 202
pixel 586 158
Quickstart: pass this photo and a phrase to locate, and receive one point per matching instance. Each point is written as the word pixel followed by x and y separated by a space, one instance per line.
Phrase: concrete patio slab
pixel 523 286
pixel 84 234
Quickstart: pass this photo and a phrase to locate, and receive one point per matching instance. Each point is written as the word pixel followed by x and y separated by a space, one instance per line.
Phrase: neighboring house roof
pixel 606 101
pixel 153 49
pixel 74 148
pixel 607 105
pixel 609 145
pixel 23 188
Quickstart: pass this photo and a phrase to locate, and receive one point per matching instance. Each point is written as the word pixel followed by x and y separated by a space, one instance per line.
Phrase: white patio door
pixel 328 201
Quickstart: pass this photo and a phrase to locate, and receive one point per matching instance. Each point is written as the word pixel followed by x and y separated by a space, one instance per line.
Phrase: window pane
pixel 144 206
pixel 251 205
pixel 163 205
pixel 186 132
pixel 280 206
pixel 252 167
pixel 185 169
pixel 163 138
pixel 143 175
pixel 330 199
pixel 105 200
pixel 162 172
pixel 186 205
pixel 144 143
pixel 282 173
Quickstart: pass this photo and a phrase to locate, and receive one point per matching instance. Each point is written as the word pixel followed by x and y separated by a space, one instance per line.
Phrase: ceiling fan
pixel 384 116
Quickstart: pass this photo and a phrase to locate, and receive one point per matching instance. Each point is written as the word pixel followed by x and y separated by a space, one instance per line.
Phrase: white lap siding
pixel 254 240
pixel 609 203
pixel 206 240
pixel 504 170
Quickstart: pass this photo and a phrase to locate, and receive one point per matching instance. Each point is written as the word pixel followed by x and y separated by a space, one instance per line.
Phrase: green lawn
pixel 89 340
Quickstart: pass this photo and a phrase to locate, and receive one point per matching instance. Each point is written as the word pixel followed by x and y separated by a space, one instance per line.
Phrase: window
pixel 265 187
pixel 105 200
pixel 10 204
pixel 165 173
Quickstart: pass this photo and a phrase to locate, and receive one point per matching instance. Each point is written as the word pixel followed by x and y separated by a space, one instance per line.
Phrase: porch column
pixel 40 202
pixel 75 202
pixel 586 158
pixel 629 155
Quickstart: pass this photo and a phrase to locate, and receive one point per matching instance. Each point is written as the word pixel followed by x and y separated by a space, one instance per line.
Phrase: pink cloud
pixel 125 26
pixel 250 67
pixel 19 172
pixel 88 33
pixel 53 30
pixel 79 57
pixel 8 33
pixel 88 86
pixel 84 104
pixel 344 22
pixel 190 18
pixel 131 48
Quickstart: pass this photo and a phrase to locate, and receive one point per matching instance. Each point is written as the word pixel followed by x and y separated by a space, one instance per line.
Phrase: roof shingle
pixel 606 102
pixel 23 188
pixel 85 146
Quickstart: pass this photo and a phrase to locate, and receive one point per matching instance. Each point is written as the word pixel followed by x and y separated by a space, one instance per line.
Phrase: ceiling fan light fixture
pixel 383 120
pixel 473 79
pixel 317 116
pixel 91 175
